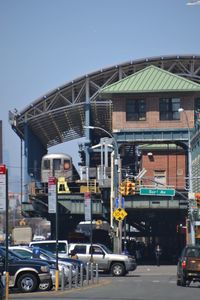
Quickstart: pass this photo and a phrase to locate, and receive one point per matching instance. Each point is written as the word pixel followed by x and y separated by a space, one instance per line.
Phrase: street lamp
pixel 117 180
pixel 110 134
pixel 190 189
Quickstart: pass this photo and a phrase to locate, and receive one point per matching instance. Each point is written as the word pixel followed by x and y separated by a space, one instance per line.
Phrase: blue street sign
pixel 116 202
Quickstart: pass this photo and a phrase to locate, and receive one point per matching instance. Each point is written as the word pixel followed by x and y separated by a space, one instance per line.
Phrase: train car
pixel 57 165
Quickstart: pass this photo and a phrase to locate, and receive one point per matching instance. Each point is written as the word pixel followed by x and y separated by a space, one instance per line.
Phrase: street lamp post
pixel 190 188
pixel 117 179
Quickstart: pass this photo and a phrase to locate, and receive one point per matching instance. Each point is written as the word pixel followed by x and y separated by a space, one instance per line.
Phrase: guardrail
pixel 86 275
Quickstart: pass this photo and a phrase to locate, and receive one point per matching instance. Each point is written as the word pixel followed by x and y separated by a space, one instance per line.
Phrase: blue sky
pixel 46 43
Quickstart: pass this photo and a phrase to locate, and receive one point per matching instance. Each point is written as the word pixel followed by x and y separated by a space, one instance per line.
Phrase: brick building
pixel 146 113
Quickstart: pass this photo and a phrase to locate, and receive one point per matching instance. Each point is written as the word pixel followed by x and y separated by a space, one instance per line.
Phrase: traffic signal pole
pixel 190 188
pixel 117 238
pixel 119 250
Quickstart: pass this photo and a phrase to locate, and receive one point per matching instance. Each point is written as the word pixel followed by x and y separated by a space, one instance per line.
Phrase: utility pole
pixel 119 248
pixel 117 239
pixel 190 188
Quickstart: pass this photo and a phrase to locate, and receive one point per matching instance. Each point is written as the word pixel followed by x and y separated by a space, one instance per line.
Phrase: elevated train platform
pixel 60 115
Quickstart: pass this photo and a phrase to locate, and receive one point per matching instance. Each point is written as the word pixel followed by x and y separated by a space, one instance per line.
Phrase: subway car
pixel 58 165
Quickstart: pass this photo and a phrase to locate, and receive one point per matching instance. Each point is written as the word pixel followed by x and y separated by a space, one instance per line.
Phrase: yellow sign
pixel 119 214
pixel 62 186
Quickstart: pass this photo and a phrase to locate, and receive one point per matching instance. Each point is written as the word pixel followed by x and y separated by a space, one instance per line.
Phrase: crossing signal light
pixel 130 188
pixel 197 197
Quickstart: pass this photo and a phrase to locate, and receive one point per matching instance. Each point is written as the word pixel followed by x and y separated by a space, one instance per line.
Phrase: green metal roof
pixel 151 80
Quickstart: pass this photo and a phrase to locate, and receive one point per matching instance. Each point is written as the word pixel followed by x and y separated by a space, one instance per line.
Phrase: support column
pixel 87 122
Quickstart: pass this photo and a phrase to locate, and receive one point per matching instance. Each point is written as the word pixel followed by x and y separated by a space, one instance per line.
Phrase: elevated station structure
pixel 103 99
pixel 60 115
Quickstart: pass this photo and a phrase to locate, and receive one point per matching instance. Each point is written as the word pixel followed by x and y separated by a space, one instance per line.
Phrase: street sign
pixel 119 214
pixel 157 192
pixel 88 206
pixel 52 186
pixel 2 188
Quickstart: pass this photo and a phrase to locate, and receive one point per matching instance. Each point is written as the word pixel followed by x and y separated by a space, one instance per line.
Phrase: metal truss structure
pixel 59 116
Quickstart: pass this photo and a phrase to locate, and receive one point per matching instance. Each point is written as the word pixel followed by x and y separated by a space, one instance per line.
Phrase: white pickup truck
pixel 116 264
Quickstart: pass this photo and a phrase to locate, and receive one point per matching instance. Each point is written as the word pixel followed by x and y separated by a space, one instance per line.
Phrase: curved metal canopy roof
pixel 59 116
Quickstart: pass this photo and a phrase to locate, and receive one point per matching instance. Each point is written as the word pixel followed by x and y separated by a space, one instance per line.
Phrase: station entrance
pixel 145 229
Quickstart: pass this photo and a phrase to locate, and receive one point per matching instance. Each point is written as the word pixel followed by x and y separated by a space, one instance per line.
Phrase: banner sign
pixel 52 186
pixel 2 188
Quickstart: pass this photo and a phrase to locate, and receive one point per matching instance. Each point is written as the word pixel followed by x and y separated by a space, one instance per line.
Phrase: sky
pixel 46 43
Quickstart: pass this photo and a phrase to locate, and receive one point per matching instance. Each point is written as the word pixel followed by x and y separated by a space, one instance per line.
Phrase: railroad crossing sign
pixel 119 214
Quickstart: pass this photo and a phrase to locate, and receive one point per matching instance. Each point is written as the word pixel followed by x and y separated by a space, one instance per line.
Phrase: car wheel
pixel 46 286
pixel 183 281
pixel 117 269
pixel 27 283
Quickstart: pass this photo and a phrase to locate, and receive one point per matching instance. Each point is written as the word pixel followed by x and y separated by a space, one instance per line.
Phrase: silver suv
pixel 116 264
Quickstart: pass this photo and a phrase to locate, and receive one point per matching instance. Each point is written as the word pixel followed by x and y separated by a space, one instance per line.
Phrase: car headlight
pixel 45 269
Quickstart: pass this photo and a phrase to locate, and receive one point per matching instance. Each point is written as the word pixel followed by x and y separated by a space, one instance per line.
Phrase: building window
pixel 169 109
pixel 197 104
pixel 160 178
pixel 135 110
pixel 197 112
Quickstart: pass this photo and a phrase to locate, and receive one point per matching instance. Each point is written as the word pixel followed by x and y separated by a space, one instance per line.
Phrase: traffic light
pixel 122 189
pixel 197 197
pixel 130 188
pixel 81 152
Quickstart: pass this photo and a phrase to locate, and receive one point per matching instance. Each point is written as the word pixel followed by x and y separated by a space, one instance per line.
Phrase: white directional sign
pixel 88 206
pixel 52 186
pixel 2 188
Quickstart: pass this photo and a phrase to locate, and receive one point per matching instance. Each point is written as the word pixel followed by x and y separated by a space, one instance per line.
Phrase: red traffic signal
pixel 197 197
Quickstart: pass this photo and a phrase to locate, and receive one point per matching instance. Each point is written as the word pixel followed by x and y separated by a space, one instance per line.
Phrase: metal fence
pixel 85 275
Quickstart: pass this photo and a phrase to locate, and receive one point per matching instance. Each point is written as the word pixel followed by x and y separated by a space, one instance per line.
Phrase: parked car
pixel 76 263
pixel 24 274
pixel 50 245
pixel 29 253
pixel 116 264
pixel 188 267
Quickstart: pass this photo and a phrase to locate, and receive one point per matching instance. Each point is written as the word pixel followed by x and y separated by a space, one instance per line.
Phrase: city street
pixel 146 283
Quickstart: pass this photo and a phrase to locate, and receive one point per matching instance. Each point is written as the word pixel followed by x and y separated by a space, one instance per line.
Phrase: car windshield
pixel 11 254
pixel 106 249
pixel 51 247
pixel 193 252
pixel 47 254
